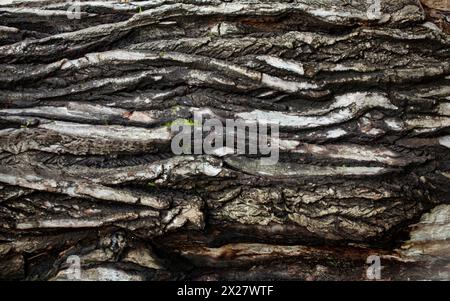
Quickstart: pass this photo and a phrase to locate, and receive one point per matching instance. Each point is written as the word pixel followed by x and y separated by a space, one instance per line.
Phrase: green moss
pixel 181 122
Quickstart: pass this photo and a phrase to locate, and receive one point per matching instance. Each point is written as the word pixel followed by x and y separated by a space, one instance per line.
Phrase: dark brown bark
pixel 87 169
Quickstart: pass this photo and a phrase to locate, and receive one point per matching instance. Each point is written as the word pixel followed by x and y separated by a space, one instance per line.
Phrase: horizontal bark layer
pixel 86 166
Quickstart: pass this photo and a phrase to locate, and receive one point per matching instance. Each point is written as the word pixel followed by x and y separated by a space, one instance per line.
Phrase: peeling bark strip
pixel 362 98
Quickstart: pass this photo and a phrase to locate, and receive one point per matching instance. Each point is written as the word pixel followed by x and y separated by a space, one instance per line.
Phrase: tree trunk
pixel 362 98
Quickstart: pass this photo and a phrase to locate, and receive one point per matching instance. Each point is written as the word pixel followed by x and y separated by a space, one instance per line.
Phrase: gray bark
pixel 86 166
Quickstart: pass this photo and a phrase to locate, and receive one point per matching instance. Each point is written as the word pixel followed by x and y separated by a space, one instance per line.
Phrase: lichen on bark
pixel 86 166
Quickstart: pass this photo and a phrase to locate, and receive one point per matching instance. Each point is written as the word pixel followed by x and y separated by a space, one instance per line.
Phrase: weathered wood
pixel 86 166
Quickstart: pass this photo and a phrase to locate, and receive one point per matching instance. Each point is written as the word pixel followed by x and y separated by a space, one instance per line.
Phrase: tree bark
pixel 86 106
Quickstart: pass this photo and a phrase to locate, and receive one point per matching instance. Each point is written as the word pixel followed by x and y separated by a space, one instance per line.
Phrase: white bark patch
pixel 82 112
pixel 336 133
pixel 80 189
pixel 109 274
pixel 39 12
pixel 287 145
pixel 6 29
pixel 430 237
pixel 431 26
pixel 353 152
pixel 434 225
pixel 394 124
pixel 77 223
pixel 444 109
pixel 189 213
pixel 284 85
pixel 282 64
pixel 210 170
pixel 222 151
pixel 301 170
pixel 345 107
pixel 108 132
pixel 97 58
pixel 445 141
pixel 427 124
pixel 143 257
pixel 224 28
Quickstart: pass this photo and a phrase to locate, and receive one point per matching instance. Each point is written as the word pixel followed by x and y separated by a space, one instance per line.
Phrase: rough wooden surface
pixel 86 166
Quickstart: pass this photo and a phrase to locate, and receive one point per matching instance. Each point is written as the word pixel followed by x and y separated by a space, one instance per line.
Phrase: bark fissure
pixel 86 166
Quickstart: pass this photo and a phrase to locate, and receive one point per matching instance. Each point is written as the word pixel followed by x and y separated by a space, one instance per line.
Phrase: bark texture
pixel 86 167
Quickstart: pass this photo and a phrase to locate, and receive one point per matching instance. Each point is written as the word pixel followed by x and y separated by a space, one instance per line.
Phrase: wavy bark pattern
pixel 86 167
